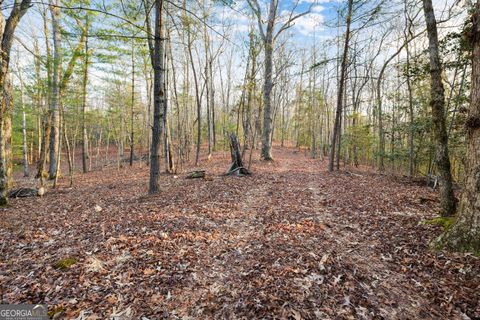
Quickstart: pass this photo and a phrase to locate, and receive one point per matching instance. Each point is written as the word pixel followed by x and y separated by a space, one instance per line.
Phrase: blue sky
pixel 304 28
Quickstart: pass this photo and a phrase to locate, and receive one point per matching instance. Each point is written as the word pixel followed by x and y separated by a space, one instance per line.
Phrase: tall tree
pixel 55 100
pixel 84 105
pixel 7 30
pixel 132 109
pixel 438 114
pixel 341 90
pixel 269 36
pixel 158 96
pixel 464 234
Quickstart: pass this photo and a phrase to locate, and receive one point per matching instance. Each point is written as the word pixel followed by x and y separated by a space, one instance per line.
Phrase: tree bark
pixel 236 168
pixel 132 135
pixel 55 118
pixel 85 154
pixel 197 98
pixel 343 71
pixel 437 103
pixel 464 234
pixel 158 97
pixel 7 29
pixel 268 42
pixel 24 132
pixel 411 132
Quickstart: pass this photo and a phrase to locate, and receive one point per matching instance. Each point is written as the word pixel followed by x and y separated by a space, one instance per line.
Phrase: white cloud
pixel 310 23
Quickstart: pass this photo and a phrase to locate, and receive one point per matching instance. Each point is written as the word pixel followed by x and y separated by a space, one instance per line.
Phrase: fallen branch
pixel 26 192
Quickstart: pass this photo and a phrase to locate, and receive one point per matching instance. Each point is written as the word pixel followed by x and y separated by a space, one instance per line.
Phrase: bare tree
pixel 341 90
pixel 269 35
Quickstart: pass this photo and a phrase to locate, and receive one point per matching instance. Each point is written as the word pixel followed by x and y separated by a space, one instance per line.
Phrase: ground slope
pixel 292 241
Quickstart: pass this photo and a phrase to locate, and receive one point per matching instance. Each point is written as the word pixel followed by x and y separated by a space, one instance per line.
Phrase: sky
pixel 304 28
pixel 317 26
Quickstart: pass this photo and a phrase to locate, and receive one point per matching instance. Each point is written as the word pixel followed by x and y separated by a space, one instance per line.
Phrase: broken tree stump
pixel 236 168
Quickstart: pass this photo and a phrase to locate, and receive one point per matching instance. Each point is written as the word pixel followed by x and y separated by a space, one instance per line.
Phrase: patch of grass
pixel 64 264
pixel 444 222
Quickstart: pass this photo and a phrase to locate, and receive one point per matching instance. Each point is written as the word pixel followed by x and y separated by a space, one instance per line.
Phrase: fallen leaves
pixel 290 242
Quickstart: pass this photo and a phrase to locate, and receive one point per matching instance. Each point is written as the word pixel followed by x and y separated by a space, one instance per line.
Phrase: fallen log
pixel 26 192
pixel 196 174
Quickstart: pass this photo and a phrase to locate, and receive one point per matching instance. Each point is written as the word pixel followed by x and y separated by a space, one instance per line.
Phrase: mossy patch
pixel 55 311
pixel 459 239
pixel 444 222
pixel 64 264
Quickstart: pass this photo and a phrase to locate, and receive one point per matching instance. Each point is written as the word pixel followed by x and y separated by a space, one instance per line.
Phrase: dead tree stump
pixel 236 168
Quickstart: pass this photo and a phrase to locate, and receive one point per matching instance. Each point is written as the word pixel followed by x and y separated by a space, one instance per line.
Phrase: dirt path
pixel 292 241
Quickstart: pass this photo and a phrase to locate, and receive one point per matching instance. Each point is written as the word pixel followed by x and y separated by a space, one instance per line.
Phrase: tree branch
pixel 258 13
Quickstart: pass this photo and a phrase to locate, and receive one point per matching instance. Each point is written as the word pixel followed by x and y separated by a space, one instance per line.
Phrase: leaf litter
pixel 290 242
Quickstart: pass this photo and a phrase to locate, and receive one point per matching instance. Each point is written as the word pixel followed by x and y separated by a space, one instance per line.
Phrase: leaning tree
pixel 7 30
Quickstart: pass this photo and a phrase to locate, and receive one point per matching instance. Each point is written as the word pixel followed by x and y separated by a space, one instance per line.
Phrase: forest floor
pixel 292 241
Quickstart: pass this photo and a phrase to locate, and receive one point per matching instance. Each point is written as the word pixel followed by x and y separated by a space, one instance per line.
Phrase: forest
pixel 240 159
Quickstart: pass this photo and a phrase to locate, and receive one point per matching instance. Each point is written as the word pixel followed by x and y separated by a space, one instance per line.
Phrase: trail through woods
pixel 292 241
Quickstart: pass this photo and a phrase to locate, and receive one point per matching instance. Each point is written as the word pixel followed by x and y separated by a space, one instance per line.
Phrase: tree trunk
pixel 464 234
pixel 268 42
pixel 6 37
pixel 85 154
pixel 250 91
pixel 437 103
pixel 55 118
pixel 24 132
pixel 158 97
pixel 197 98
pixel 343 71
pixel 132 136
pixel 208 87
pixel 236 168
pixel 267 107
pixel 3 164
pixel 69 153
pixel 411 132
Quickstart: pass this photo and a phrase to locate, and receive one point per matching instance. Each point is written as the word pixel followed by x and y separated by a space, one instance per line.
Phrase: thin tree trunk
pixel 132 152
pixel 343 71
pixel 54 107
pixel 411 133
pixel 24 132
pixel 60 143
pixel 69 152
pixel 197 98
pixel 85 154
